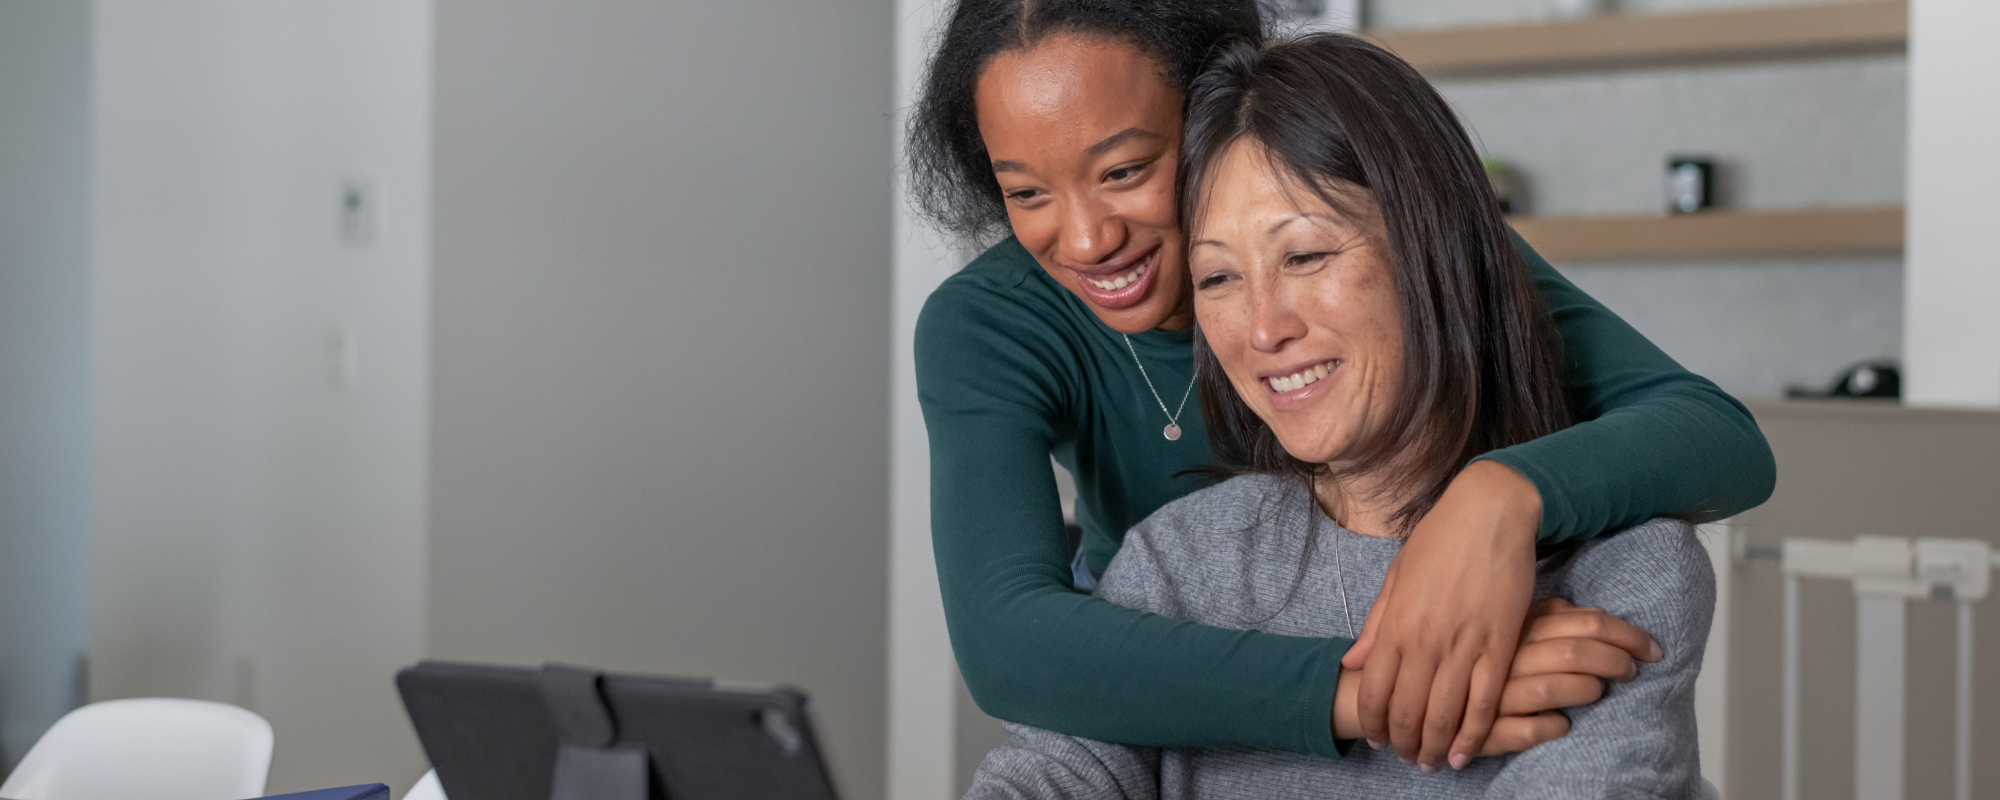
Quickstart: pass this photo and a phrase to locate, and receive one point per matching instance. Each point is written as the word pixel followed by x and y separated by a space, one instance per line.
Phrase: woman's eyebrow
pixel 1117 139
pixel 1106 145
pixel 1291 219
pixel 1267 232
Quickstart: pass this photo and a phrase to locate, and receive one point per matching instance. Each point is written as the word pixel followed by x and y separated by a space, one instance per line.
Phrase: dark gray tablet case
pixel 499 733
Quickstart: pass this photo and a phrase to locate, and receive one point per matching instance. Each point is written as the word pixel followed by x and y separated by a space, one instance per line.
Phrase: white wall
pixel 1952 309
pixel 258 532
pixel 924 686
pixel 660 428
pixel 44 361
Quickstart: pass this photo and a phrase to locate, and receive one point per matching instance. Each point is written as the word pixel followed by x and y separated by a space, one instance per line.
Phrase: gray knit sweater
pixel 1256 553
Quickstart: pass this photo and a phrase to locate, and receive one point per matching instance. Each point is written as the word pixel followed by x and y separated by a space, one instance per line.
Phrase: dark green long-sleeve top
pixel 1012 368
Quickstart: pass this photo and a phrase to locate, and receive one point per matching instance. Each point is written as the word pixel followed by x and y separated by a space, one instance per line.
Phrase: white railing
pixel 1886 573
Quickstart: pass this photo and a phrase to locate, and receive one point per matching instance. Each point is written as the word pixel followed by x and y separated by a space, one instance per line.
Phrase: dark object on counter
pixel 1866 379
pixel 1690 184
pixel 568 733
pixel 366 791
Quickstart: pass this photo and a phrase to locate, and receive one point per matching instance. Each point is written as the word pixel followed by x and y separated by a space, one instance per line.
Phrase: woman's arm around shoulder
pixel 1654 440
pixel 1032 650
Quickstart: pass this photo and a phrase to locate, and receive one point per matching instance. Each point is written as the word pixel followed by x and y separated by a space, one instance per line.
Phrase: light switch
pixel 359 211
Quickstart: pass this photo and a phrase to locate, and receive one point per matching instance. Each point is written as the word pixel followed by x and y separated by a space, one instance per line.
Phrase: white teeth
pixel 1120 282
pixel 1301 379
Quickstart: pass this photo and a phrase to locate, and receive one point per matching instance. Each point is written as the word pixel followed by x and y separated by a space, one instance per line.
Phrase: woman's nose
pixel 1273 321
pixel 1090 233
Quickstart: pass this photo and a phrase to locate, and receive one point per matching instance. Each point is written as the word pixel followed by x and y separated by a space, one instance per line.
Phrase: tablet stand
pixel 590 765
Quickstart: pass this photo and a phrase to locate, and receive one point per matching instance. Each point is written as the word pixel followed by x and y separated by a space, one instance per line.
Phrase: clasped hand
pixel 1438 675
pixel 1565 655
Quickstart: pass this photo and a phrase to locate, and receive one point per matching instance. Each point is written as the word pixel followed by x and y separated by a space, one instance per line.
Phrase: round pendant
pixel 1173 432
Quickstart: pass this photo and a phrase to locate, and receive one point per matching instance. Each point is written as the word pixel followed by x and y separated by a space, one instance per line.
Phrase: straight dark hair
pixel 1482 367
pixel 950 173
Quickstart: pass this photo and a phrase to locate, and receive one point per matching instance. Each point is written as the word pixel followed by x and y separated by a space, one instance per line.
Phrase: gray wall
pixel 44 361
pixel 660 329
pixel 258 384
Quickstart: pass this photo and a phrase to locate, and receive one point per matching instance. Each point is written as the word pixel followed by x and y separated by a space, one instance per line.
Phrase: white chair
pixel 427 788
pixel 152 748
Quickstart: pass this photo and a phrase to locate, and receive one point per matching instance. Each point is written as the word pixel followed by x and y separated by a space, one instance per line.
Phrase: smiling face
pixel 1084 135
pixel 1298 302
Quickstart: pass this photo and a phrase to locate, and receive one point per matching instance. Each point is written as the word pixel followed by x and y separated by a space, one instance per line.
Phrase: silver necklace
pixel 1339 569
pixel 1173 430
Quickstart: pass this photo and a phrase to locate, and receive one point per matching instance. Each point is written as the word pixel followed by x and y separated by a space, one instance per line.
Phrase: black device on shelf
pixel 1690 184
pixel 1877 379
pixel 567 733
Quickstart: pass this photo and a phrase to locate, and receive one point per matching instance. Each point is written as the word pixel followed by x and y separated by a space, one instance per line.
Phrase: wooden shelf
pixel 1715 234
pixel 1648 40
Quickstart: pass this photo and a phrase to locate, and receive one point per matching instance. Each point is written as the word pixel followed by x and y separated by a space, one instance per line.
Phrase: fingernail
pixel 1374 744
pixel 1459 760
pixel 1657 652
pixel 1407 761
pixel 1428 769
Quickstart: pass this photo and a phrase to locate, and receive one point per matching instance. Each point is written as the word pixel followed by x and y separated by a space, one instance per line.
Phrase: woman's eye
pixel 1304 260
pixel 1212 281
pixel 1122 174
pixel 1023 195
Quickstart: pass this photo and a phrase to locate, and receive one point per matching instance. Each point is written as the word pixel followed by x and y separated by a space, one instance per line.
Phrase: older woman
pixel 1365 328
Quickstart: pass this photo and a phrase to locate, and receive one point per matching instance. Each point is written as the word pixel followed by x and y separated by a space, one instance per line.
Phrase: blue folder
pixel 369 791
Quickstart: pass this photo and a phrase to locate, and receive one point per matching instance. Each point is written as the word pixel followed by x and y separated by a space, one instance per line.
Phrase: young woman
pixel 1365 327
pixel 1060 121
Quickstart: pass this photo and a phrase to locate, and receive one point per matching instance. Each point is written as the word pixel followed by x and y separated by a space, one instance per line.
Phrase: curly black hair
pixel 950 175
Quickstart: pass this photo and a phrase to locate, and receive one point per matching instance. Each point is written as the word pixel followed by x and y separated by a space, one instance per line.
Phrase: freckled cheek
pixel 1379 385
pixel 1226 344
pixel 1246 385
pixel 1386 352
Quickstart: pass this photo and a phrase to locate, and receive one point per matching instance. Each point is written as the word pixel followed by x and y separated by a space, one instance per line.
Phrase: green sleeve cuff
pixel 1555 507
pixel 1316 728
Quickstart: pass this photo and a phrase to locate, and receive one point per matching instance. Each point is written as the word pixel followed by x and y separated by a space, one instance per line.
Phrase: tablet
pixel 491 733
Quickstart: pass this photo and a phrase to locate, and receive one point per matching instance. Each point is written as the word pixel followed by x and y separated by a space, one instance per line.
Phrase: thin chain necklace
pixel 1340 575
pixel 1173 430
pixel 1339 570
